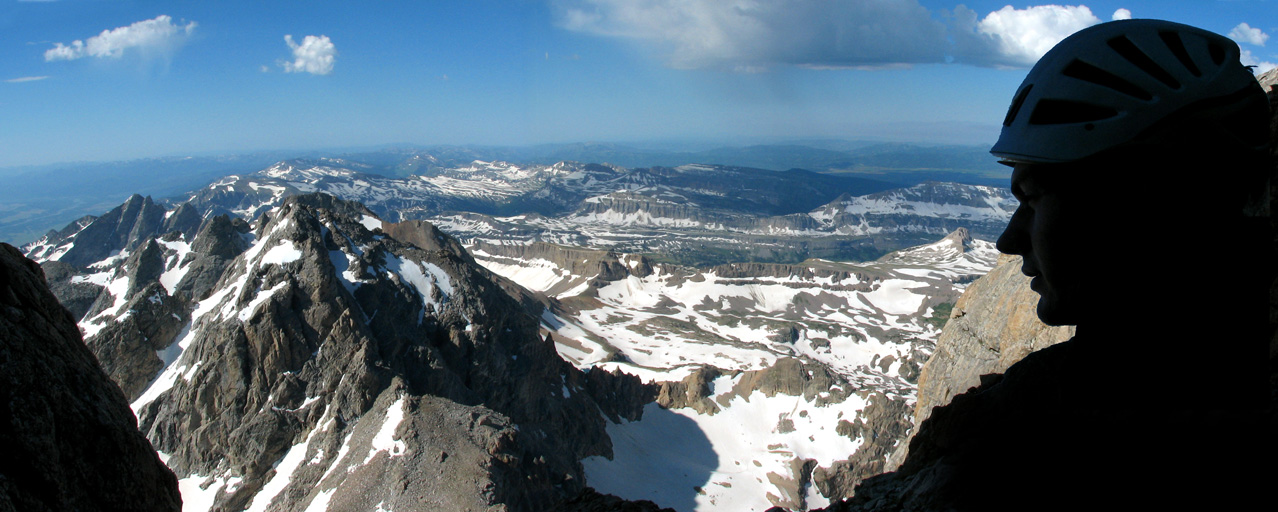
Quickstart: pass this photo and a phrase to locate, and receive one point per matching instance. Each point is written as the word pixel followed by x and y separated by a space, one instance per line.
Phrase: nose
pixel 1015 237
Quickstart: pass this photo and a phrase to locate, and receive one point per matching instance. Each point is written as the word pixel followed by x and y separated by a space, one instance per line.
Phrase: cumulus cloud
pixel 315 55
pixel 1015 37
pixel 1245 33
pixel 25 79
pixel 1121 14
pixel 756 35
pixel 157 35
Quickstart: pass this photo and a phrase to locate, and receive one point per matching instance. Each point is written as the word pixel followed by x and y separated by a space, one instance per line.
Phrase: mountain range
pixel 285 349
pixel 41 197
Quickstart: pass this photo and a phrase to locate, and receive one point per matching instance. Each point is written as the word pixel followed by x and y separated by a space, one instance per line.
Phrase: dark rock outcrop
pixel 184 219
pixel 120 229
pixel 127 348
pixel 591 500
pixel 77 297
pixel 384 364
pixel 219 241
pixel 69 438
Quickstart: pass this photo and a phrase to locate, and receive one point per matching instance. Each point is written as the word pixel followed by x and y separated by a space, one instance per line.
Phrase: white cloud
pixel 1249 59
pixel 1244 33
pixel 755 34
pixel 25 79
pixel 157 35
pixel 315 55
pixel 1017 37
pixel 1121 14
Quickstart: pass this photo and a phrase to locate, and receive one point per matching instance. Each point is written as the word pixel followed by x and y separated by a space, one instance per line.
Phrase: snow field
pixel 197 499
pixel 728 455
pixel 422 277
pixel 536 274
pixel 174 271
pixel 668 325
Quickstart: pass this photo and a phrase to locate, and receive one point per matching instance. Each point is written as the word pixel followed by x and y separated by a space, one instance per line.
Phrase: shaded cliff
pixel 70 441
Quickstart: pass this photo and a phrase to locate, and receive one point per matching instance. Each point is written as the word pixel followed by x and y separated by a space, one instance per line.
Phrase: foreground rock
pixel 70 441
pixel 992 326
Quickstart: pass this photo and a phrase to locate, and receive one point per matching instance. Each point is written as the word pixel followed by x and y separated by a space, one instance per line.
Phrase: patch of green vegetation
pixel 940 315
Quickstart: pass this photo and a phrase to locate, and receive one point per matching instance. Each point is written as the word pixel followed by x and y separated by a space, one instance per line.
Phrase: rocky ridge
pixel 931 207
pixel 693 213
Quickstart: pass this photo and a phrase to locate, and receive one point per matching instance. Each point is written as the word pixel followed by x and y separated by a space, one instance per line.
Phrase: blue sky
pixel 172 78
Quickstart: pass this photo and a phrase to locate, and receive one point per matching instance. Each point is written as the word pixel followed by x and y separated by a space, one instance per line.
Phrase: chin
pixel 1052 313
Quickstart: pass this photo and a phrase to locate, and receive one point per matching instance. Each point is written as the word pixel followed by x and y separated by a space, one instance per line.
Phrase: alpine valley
pixel 501 336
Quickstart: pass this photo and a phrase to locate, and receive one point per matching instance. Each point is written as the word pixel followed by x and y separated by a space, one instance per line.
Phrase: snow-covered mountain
pixel 697 214
pixel 782 385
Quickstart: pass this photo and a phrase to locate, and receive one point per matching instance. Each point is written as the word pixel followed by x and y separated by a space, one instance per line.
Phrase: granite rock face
pixel 70 441
pixel 992 326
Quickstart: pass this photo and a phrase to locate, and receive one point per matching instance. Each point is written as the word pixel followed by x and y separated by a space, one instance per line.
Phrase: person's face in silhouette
pixel 1048 231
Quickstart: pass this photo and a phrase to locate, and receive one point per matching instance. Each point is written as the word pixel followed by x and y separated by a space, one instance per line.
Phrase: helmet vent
pixel 1177 47
pixel 1016 105
pixel 1089 73
pixel 1129 51
pixel 1217 53
pixel 1049 111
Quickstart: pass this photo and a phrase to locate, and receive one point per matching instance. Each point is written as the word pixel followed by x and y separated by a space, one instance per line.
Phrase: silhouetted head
pixel 1124 137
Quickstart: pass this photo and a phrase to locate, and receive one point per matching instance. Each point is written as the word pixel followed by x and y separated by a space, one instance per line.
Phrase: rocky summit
pixel 310 359
pixel 70 441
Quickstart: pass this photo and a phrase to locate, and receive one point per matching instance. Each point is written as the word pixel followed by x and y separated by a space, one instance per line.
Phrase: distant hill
pixel 36 199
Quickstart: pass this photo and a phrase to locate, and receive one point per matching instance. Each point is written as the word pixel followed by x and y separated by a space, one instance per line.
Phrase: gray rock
pixel 317 350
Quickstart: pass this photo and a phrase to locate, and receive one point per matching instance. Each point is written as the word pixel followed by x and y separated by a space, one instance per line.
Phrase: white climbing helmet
pixel 1105 85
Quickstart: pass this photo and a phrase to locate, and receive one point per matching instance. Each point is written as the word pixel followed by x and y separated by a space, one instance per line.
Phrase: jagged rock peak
pixel 70 441
pixel 383 363
pixel 122 229
pixel 960 237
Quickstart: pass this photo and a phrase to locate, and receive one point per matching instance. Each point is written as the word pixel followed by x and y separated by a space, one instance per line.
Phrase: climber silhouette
pixel 1141 164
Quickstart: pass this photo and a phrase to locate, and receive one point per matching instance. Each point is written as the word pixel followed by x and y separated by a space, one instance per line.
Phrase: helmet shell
pixel 1105 85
